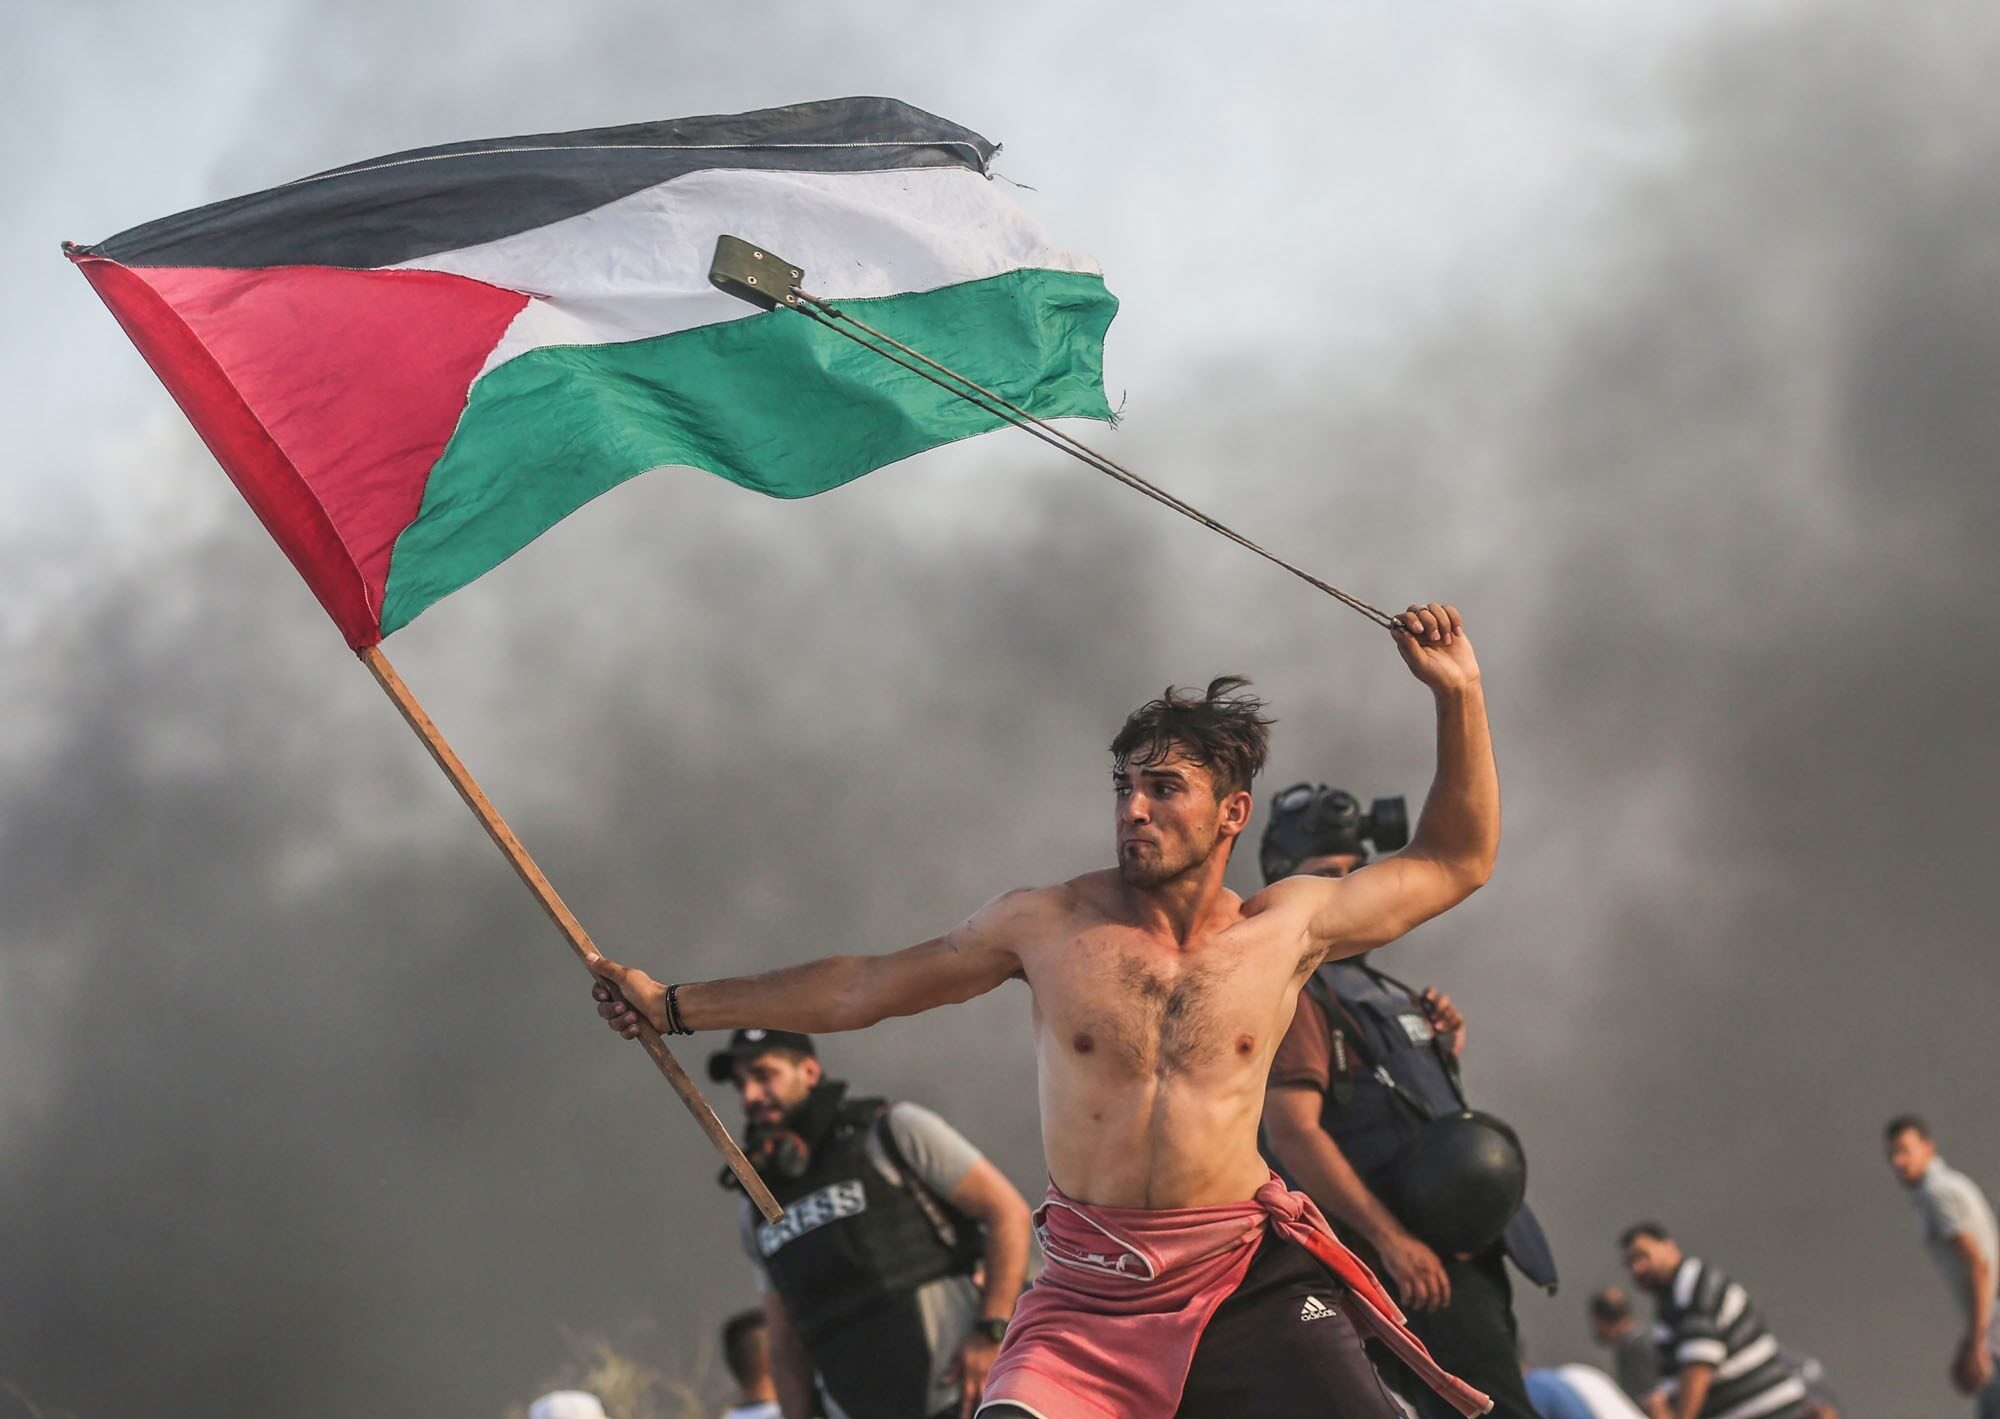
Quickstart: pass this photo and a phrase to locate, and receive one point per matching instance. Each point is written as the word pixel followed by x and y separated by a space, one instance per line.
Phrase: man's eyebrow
pixel 1173 773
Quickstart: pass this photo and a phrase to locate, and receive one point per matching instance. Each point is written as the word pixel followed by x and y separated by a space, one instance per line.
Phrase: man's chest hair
pixel 1162 1007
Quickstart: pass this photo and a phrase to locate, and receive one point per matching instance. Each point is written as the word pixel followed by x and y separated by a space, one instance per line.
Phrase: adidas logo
pixel 1316 1309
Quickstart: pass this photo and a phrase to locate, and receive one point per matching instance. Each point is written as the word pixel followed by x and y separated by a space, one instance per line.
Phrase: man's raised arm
pixel 1458 833
pixel 831 994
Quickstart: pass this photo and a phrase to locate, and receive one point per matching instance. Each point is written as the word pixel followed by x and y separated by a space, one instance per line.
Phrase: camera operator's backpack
pixel 1457 1182
pixel 958 1233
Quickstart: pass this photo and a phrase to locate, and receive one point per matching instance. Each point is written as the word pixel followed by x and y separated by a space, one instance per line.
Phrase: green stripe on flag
pixel 774 402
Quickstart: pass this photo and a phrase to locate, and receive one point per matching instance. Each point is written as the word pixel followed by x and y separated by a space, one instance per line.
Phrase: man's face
pixel 1168 819
pixel 1909 1154
pixel 1652 1261
pixel 1330 864
pixel 772 1085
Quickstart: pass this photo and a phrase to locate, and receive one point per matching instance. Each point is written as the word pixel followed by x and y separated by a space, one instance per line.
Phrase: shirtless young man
pixel 1159 998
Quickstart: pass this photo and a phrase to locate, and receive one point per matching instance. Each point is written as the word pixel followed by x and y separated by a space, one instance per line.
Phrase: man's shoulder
pixel 1942 1180
pixel 1284 911
pixel 1303 892
pixel 1087 891
pixel 1948 1197
pixel 928 1144
pixel 1015 917
pixel 1017 904
pixel 909 1121
pixel 1077 902
pixel 1696 1286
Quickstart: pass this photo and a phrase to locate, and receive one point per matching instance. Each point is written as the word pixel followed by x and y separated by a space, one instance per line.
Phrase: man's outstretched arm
pixel 834 993
pixel 1451 854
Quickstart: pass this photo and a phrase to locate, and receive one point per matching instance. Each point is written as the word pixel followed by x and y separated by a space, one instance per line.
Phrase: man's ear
pixel 1236 809
pixel 810 1068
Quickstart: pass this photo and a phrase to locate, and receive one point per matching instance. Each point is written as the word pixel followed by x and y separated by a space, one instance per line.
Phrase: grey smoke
pixel 302 1109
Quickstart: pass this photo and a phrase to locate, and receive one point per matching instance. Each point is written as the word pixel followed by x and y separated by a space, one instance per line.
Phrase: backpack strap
pixel 1445 1057
pixel 954 1230
pixel 1347 1059
pixel 1351 1040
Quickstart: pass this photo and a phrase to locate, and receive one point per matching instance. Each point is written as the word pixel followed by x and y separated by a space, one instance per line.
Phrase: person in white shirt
pixel 1959 1229
pixel 746 1350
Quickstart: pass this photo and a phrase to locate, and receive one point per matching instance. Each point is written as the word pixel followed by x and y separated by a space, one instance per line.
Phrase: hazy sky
pixel 1660 337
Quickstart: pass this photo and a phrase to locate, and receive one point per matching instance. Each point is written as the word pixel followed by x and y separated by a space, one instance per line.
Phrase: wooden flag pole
pixel 565 920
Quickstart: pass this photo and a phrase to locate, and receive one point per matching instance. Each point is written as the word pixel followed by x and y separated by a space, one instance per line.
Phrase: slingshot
pixel 750 273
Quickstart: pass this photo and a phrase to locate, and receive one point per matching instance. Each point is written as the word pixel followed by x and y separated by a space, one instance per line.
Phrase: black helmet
pixel 1460 1181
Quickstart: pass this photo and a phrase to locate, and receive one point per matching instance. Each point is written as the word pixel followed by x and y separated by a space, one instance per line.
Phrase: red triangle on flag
pixel 326 394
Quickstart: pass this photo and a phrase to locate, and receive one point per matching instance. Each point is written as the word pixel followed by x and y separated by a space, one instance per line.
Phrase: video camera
pixel 1312 820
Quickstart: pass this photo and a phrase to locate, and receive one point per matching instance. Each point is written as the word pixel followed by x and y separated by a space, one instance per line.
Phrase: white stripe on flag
pixel 638 267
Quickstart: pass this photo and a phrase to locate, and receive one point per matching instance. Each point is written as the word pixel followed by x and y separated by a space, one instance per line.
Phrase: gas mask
pixel 1312 820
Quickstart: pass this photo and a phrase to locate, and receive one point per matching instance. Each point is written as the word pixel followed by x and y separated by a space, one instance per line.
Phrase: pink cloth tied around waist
pixel 1110 1328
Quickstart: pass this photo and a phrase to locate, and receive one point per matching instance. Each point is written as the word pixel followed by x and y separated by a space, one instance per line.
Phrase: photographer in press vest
pixel 1365 1113
pixel 889 1281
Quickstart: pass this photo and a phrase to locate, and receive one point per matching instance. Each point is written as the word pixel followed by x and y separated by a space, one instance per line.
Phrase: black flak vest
pixel 860 1231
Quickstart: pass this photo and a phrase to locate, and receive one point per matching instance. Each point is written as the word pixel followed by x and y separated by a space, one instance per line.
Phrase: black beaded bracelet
pixel 675 1026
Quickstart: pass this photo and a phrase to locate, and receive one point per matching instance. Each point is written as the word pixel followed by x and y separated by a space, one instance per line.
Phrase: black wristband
pixel 991 1328
pixel 675 1026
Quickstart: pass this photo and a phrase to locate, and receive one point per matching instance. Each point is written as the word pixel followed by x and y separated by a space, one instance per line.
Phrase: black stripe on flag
pixel 427 200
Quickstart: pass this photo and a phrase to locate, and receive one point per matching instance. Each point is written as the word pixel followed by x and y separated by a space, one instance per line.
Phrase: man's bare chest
pixel 1127 1001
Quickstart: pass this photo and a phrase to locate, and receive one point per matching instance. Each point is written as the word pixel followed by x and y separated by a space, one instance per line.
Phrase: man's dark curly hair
pixel 1224 729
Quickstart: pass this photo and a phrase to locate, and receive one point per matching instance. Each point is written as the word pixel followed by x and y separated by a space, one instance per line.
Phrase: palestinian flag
pixel 413 366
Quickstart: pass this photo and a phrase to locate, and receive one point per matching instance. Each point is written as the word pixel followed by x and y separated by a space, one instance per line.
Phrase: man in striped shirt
pixel 1720 1361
